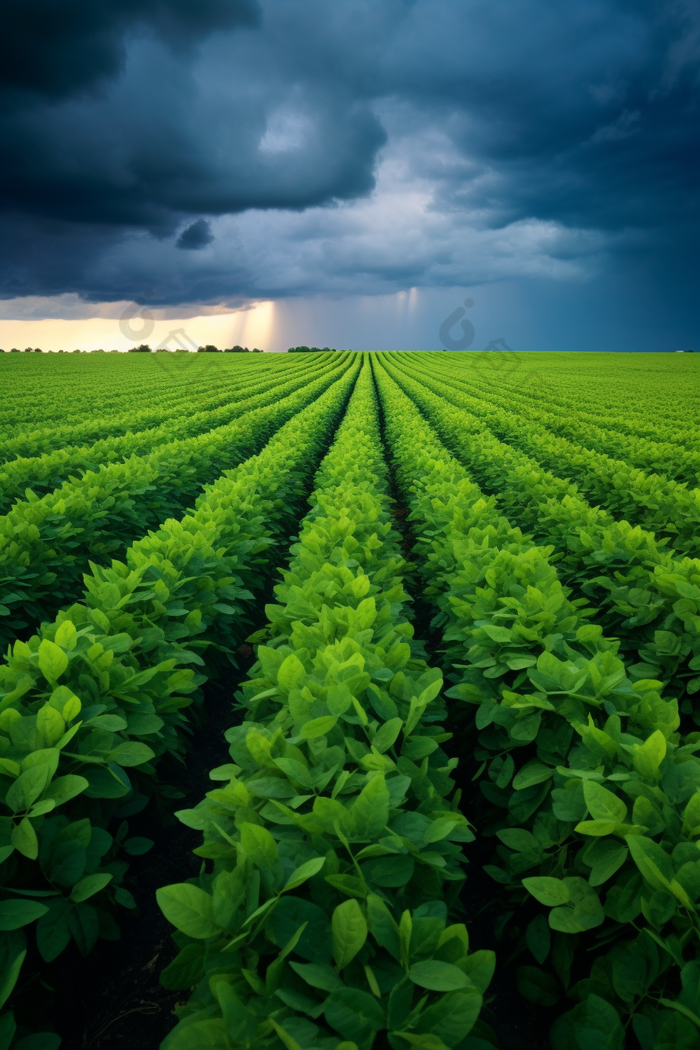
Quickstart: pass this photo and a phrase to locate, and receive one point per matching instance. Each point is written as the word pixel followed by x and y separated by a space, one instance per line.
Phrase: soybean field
pixel 350 700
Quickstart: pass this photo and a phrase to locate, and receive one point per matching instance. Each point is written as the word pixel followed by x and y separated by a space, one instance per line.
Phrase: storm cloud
pixel 353 147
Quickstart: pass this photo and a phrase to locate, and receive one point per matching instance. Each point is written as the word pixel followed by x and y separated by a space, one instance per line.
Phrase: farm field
pixel 350 700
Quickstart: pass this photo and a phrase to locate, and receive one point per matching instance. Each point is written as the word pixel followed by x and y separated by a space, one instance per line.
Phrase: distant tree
pixel 310 350
pixel 256 351
pixel 14 350
pixel 208 349
pixel 144 348
pixel 37 350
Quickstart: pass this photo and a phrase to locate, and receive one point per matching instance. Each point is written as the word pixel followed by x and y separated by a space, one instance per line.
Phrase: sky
pixel 372 174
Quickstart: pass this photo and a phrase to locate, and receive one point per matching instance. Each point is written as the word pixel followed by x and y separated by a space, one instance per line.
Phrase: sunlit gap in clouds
pixel 253 326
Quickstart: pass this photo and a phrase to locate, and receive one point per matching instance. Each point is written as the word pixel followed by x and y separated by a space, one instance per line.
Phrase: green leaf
pixel 290 673
pixel 188 908
pixel 16 913
pixel 131 753
pixel 303 872
pixel 354 1014
pixel 12 955
pixel 53 930
pixel 24 839
pixel 584 911
pixel 533 772
pixel 538 938
pixel 647 757
pixel 371 809
pixel 438 976
pixel 316 727
pixel 52 660
pixel 63 789
pixel 349 932
pixel 137 845
pixel 547 890
pixel 27 788
pixel 387 734
pixel 452 1017
pixel 259 845
pixel 602 804
pixel 186 969
pixel 318 976
pixel 89 886
pixel 652 860
pixel 199 1035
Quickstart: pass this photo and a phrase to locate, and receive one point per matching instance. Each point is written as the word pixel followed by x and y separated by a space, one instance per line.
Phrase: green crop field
pixel 436 617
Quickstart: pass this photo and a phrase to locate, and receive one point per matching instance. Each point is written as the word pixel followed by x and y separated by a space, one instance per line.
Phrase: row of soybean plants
pixel 331 842
pixel 60 391
pixel 584 430
pixel 573 422
pixel 163 399
pixel 47 543
pixel 619 393
pixel 588 790
pixel 645 594
pixel 43 472
pixel 90 703
pixel 651 500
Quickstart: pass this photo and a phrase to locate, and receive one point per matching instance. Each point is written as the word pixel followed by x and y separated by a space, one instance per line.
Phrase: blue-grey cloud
pixel 197 235
pixel 348 147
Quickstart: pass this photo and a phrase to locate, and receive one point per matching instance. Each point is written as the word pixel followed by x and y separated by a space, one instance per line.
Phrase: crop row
pixel 592 794
pixel 45 544
pixel 645 594
pixel 620 399
pixel 106 386
pixel 582 428
pixel 45 472
pixel 94 699
pixel 324 915
pixel 650 500
pixel 201 393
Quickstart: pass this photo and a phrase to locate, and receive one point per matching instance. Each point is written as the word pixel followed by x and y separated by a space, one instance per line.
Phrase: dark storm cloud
pixel 132 120
pixel 55 49
pixel 197 235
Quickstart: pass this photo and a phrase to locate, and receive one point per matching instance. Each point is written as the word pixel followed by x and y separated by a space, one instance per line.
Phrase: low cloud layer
pixel 222 150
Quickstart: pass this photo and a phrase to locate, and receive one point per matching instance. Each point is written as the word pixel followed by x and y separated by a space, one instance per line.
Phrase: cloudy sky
pixel 348 172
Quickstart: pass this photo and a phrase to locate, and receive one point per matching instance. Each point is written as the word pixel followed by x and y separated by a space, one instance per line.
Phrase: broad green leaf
pixel 62 789
pixel 647 758
pixel 354 1014
pixel 316 727
pixel 387 734
pixel 547 890
pixel 290 673
pixel 602 804
pixel 24 839
pixel 533 772
pixel 131 753
pixel 52 660
pixel 188 908
pixel 349 932
pixel 24 791
pixel 583 912
pixel 16 913
pixel 652 860
pixel 89 886
pixel 371 809
pixel 303 872
pixel 13 954
pixel 438 976
pixel 259 845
